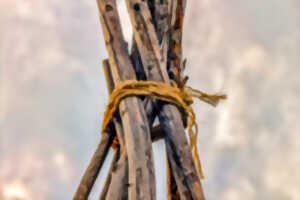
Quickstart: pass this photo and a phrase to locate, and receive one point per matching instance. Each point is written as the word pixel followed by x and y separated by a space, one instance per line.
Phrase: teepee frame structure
pixel 156 55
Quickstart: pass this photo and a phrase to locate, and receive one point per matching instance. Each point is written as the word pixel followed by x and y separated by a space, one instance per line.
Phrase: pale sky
pixel 53 94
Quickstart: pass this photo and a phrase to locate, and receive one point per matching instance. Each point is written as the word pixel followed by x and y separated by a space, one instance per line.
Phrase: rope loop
pixel 171 93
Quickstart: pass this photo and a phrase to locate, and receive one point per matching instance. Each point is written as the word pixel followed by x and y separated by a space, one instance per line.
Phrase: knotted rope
pixel 181 97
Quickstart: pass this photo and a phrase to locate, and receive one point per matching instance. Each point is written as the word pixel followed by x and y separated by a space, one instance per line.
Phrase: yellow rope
pixel 182 97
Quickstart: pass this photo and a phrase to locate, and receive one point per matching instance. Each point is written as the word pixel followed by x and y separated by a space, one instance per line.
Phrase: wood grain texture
pixel 133 116
pixel 178 150
pixel 116 186
pixel 151 110
pixel 107 183
pixel 175 44
pixel 118 189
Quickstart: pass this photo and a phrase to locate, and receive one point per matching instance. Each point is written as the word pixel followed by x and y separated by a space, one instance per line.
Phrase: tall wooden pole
pixel 170 118
pixel 132 113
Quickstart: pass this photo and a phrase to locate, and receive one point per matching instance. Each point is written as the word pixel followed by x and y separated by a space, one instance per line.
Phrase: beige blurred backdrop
pixel 52 96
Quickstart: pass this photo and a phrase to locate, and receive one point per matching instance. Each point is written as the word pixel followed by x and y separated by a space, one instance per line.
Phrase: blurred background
pixel 53 94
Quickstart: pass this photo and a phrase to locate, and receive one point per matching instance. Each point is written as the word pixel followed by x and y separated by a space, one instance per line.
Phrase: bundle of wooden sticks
pixel 156 55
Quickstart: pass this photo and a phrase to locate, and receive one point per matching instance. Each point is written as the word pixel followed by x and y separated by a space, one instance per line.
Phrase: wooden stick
pixel 162 20
pixel 160 12
pixel 173 193
pixel 108 76
pixel 151 110
pixel 175 45
pixel 94 166
pixel 119 180
pixel 107 184
pixel 174 57
pixel 115 190
pixel 177 146
pixel 134 120
pixel 116 119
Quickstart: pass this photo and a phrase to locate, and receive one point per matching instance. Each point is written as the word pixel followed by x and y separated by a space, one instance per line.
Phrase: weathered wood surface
pixel 175 64
pixel 151 110
pixel 132 113
pixel 172 189
pixel 181 160
pixel 175 71
pixel 116 119
pixel 160 12
pixel 116 187
pixel 107 184
pixel 94 166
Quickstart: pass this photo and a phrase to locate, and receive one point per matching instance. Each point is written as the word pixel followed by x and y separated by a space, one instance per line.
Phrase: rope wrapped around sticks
pixel 181 97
